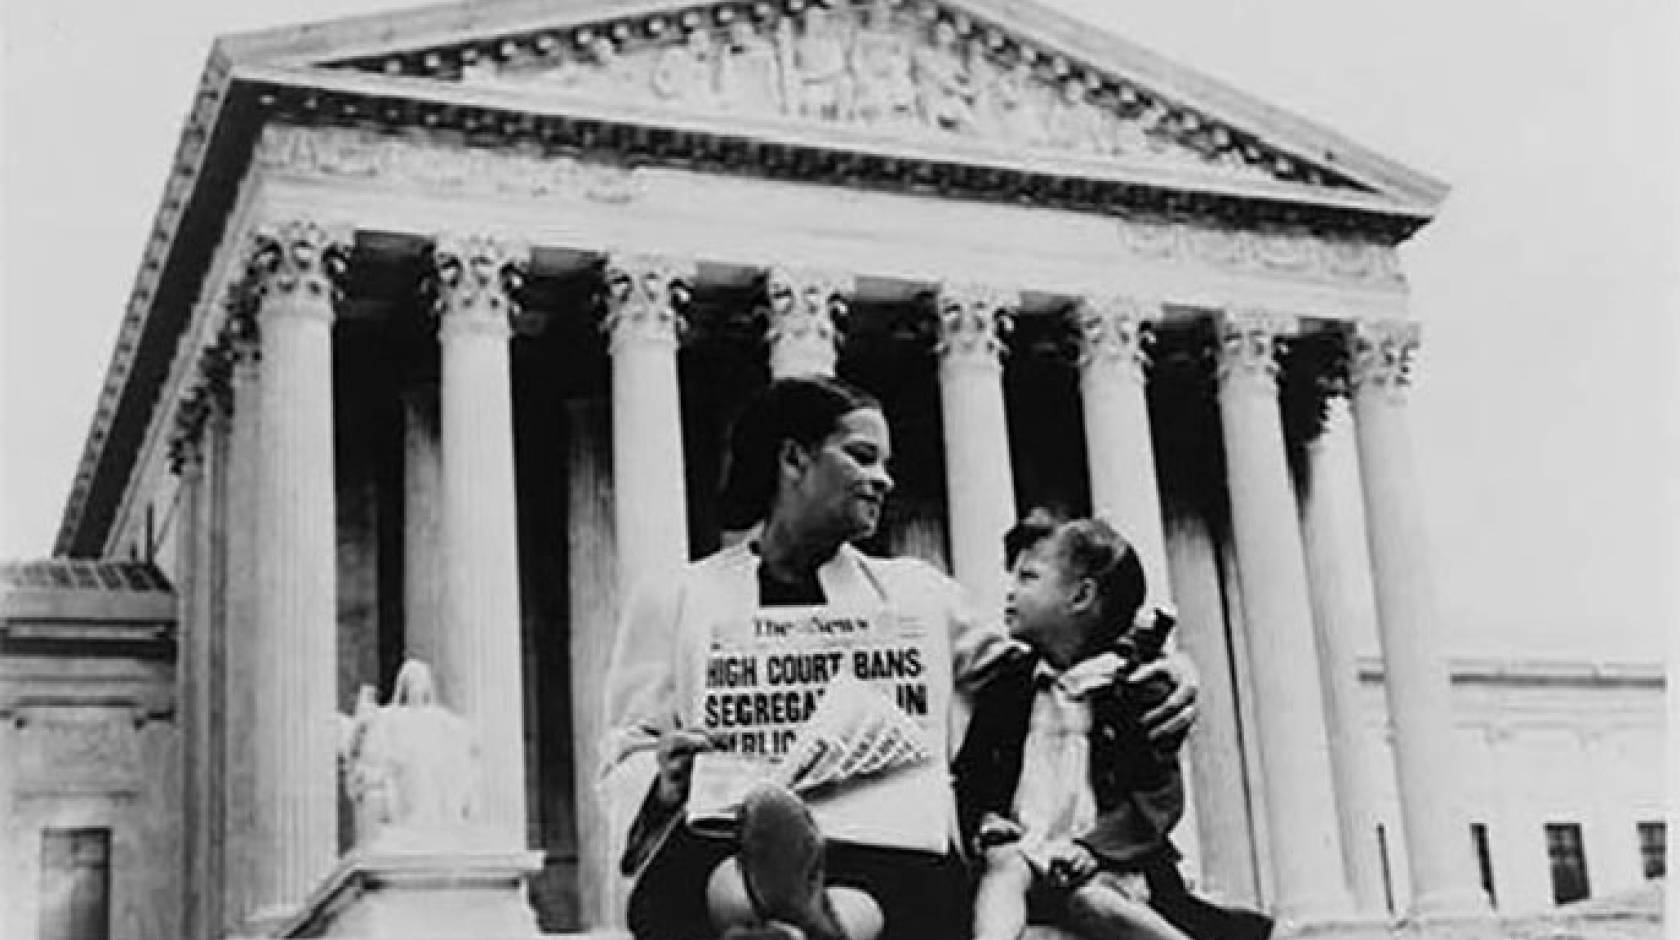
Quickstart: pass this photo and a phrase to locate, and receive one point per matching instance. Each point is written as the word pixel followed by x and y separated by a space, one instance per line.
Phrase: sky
pixel 1545 414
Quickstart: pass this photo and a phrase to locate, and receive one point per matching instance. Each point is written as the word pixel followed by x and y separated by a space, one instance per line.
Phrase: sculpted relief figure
pixel 943 82
pixel 1129 138
pixel 1014 107
pixel 886 87
pixel 410 766
pixel 1075 124
pixel 823 76
pixel 748 72
pixel 685 71
pixel 606 71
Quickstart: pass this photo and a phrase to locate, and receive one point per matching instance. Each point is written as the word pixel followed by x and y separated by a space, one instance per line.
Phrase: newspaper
pixel 842 709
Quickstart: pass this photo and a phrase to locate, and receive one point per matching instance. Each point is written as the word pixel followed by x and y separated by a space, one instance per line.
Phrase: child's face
pixel 1040 602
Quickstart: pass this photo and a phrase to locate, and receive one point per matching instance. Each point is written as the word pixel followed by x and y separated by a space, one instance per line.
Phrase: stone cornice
pixel 179 188
pixel 520 29
pixel 654 133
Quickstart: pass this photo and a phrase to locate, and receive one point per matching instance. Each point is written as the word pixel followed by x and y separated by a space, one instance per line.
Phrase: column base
pixel 1347 927
pixel 1466 904
pixel 439 893
pixel 1461 926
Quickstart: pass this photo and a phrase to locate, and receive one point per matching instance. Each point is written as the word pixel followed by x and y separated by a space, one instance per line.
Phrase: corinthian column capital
pixel 296 266
pixel 1248 346
pixel 973 319
pixel 186 441
pixel 645 298
pixel 806 310
pixel 475 278
pixel 1381 356
pixel 1116 331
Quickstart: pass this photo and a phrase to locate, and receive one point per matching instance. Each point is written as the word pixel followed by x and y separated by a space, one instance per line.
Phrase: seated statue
pixel 410 767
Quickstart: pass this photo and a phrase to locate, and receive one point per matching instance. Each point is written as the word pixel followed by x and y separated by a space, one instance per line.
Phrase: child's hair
pixel 1088 548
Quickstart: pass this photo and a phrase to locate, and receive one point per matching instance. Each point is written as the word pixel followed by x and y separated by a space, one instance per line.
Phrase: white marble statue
pixel 410 766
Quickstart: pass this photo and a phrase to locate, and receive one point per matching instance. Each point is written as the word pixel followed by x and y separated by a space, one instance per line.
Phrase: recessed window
pixel 1653 849
pixel 1569 862
pixel 1484 860
pixel 75 884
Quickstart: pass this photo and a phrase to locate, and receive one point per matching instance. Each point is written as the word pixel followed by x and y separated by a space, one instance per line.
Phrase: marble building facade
pixel 433 348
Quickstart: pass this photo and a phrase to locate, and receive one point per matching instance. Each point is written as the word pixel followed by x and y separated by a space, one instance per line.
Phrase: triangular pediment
pixel 1006 77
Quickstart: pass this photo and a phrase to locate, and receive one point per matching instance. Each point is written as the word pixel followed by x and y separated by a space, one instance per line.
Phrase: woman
pixel 808 460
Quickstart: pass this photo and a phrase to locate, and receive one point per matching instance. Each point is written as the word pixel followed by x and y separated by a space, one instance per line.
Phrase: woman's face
pixel 837 487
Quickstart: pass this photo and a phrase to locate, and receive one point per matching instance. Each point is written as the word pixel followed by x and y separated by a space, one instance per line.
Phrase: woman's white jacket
pixel 658 665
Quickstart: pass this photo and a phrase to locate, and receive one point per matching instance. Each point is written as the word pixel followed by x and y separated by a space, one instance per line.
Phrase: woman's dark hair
pixel 804 410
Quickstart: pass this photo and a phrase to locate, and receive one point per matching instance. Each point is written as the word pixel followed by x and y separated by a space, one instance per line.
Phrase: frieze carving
pixel 894 68
pixel 1382 356
pixel 805 312
pixel 437 164
pixel 475 282
pixel 973 320
pixel 296 266
pixel 361 153
pixel 645 297
pixel 1248 345
pixel 1115 330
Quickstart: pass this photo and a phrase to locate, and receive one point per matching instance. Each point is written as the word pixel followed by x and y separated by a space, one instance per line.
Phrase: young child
pixel 1057 785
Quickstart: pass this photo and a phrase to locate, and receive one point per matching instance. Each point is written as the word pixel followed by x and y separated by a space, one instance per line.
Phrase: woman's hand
pixel 676 763
pixel 1177 712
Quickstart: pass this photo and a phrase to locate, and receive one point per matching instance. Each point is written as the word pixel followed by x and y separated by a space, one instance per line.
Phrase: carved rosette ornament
pixel 475 283
pixel 806 310
pixel 646 297
pixel 1382 354
pixel 296 268
pixel 1248 347
pixel 1115 331
pixel 973 320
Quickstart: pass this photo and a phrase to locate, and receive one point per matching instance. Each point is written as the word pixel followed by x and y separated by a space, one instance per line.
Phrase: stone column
pixel 1304 847
pixel 1337 573
pixel 194 678
pixel 480 663
pixel 1443 873
pixel 237 438
pixel 645 296
pixel 1214 751
pixel 293 270
pixel 1121 453
pixel 980 484
pixel 423 595
pixel 593 576
pixel 804 331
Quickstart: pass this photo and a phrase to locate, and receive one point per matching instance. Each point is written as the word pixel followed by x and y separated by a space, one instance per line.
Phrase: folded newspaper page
pixel 840 709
